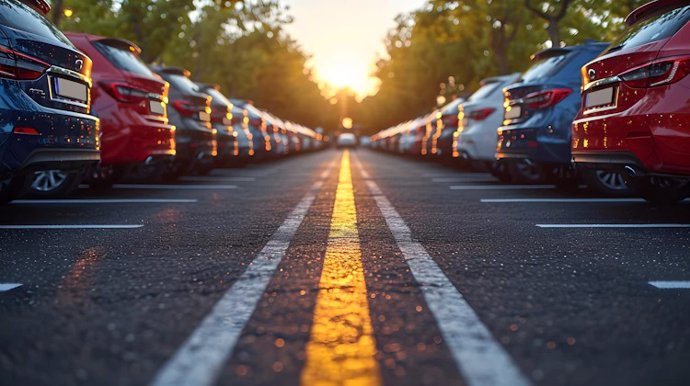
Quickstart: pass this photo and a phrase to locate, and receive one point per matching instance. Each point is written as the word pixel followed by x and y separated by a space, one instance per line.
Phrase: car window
pixel 545 68
pixel 19 16
pixel 656 28
pixel 485 91
pixel 124 59
pixel 183 84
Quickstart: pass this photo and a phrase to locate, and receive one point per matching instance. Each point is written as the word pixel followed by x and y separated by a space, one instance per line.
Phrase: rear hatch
pixel 46 64
pixel 190 103
pixel 221 107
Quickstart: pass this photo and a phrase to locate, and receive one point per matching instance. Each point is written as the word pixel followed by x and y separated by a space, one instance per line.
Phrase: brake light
pixel 546 98
pixel 25 131
pixel 480 114
pixel 185 108
pixel 124 93
pixel 657 74
pixel 450 120
pixel 15 65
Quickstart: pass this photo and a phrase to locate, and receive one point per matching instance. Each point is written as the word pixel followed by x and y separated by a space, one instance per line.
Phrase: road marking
pixel 105 201
pixel 671 284
pixel 341 348
pixel 4 287
pixel 217 179
pixel 560 200
pixel 174 187
pixel 479 357
pixel 501 187
pixel 72 226
pixel 613 225
pixel 463 179
pixel 202 356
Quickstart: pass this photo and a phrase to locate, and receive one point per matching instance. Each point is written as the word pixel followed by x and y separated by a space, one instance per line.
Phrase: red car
pixel 131 102
pixel 635 114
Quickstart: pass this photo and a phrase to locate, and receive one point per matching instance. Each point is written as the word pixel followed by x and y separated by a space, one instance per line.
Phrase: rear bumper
pixel 533 143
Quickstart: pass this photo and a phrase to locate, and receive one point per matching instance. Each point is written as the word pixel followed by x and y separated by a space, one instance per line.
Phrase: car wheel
pixel 525 171
pixel 607 182
pixel 52 183
pixel 499 169
pixel 661 190
pixel 10 188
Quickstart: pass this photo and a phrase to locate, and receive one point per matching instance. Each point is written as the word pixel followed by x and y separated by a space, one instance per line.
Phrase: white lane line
pixel 106 201
pixel 201 358
pixel 217 179
pixel 71 226
pixel 463 179
pixel 174 187
pixel 671 284
pixel 8 286
pixel 501 187
pixel 613 225
pixel 479 357
pixel 560 200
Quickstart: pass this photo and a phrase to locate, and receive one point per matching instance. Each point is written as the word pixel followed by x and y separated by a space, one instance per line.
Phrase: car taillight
pixel 124 93
pixel 15 65
pixel 185 108
pixel 480 114
pixel 546 98
pixel 450 120
pixel 657 74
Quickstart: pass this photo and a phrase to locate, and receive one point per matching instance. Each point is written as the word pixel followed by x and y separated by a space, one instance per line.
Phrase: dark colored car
pixel 255 123
pixel 130 101
pixel 534 141
pixel 45 84
pixel 190 111
pixel 447 123
pixel 221 118
pixel 636 116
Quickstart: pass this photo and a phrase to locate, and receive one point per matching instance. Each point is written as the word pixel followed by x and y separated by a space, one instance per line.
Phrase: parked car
pixel 534 141
pixel 256 125
pixel 635 115
pixel 190 111
pixel 474 141
pixel 346 140
pixel 221 119
pixel 447 123
pixel 47 135
pixel 131 102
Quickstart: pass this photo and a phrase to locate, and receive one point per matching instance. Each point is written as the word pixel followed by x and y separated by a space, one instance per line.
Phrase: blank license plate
pixel 157 107
pixel 66 88
pixel 513 112
pixel 601 97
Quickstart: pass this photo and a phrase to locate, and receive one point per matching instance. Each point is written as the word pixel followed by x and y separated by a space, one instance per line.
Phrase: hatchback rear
pixel 221 119
pixel 45 86
pixel 635 114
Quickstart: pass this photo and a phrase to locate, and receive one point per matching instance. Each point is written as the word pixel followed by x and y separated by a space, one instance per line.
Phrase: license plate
pixel 157 107
pixel 598 98
pixel 227 121
pixel 204 116
pixel 513 112
pixel 69 89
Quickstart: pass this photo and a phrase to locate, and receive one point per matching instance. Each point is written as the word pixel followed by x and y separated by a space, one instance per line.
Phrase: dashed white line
pixel 501 187
pixel 174 187
pixel 202 356
pixel 4 287
pixel 613 225
pixel 217 179
pixel 463 179
pixel 105 201
pixel 560 200
pixel 71 226
pixel 671 284
pixel 479 357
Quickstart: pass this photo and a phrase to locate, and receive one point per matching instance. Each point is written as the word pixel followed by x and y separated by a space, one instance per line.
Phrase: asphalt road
pixel 360 269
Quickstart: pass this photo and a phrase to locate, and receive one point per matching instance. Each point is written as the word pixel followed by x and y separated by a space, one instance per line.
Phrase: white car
pixel 346 140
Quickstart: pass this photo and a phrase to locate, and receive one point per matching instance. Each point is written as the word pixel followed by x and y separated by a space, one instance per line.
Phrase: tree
pixel 553 13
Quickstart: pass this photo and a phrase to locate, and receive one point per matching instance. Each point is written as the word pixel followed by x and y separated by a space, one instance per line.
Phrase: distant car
pixel 635 116
pixel 130 101
pixel 346 140
pixel 534 141
pixel 447 124
pixel 255 123
pixel 190 111
pixel 47 135
pixel 221 119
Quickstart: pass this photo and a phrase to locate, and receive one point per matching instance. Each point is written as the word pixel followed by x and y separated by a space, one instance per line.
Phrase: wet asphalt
pixel 570 306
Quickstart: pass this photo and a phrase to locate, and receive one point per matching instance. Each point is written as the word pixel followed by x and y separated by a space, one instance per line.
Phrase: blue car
pixel 44 105
pixel 534 141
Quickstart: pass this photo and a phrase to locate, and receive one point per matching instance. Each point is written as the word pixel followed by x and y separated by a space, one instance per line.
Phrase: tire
pixel 661 190
pixel 610 183
pixel 11 188
pixel 525 172
pixel 565 177
pixel 499 169
pixel 51 183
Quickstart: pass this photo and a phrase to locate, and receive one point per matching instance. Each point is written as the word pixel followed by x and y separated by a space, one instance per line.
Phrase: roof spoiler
pixel 41 6
pixel 549 53
pixel 496 79
pixel 121 44
pixel 176 71
pixel 652 8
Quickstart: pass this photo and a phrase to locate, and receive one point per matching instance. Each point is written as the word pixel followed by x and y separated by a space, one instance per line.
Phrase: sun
pixel 344 72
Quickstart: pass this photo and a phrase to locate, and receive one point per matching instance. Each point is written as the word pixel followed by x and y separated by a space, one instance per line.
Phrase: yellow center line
pixel 341 349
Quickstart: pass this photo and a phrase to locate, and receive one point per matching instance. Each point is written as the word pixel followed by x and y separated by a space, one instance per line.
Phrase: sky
pixel 344 37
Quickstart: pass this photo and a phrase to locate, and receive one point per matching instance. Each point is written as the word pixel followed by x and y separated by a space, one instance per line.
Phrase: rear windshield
pixel 124 59
pixel 545 68
pixel 19 16
pixel 656 28
pixel 183 84
pixel 485 91
pixel 218 98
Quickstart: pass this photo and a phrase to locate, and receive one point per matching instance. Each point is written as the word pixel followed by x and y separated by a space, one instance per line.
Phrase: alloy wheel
pixel 48 180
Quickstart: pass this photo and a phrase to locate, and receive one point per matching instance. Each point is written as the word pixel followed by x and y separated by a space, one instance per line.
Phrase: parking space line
pixel 560 200
pixel 464 179
pixel 202 356
pixel 613 225
pixel 174 187
pixel 670 284
pixel 71 226
pixel 4 287
pixel 217 179
pixel 105 201
pixel 479 357
pixel 501 187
